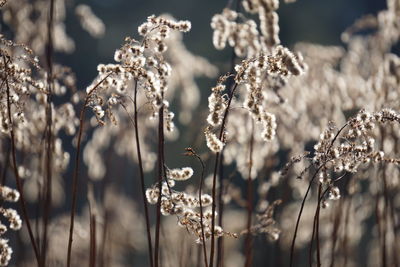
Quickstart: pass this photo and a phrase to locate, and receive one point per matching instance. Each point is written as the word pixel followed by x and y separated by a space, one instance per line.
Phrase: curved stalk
pixel 217 158
pixel 248 241
pixel 76 169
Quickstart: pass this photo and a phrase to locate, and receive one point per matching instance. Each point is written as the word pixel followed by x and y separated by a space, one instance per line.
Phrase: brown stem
pixel 299 215
pixel 15 169
pixel 220 242
pixel 5 165
pixel 201 206
pixel 48 185
pixel 217 157
pixel 395 245
pixel 310 249
pixel 386 214
pixel 76 169
pixel 385 208
pixel 315 231
pixel 160 178
pixel 75 182
pixel 248 242
pixel 308 190
pixel 317 226
pixel 92 259
pixel 141 175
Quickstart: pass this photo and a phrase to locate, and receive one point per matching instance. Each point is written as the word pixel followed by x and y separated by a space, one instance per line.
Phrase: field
pixel 277 155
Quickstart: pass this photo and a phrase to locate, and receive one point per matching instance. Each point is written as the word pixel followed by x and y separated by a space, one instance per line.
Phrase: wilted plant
pixel 282 126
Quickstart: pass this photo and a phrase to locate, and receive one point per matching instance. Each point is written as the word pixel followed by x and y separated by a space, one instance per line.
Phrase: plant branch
pixel 16 174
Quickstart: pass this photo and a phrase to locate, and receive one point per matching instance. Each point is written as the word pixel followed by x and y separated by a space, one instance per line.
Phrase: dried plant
pixel 297 160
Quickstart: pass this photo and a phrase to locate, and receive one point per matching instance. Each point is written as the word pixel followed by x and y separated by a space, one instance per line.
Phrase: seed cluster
pixel 184 205
pixel 15 223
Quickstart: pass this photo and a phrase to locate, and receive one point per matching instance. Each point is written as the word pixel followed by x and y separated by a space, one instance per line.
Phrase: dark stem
pixel 76 169
pixel 308 190
pixel 386 206
pixel 160 178
pixel 248 241
pixel 310 249
pixel 49 139
pixel 141 175
pixel 317 226
pixel 220 242
pixel 217 158
pixel 299 215
pixel 75 182
pixel 392 212
pixel 201 208
pixel 315 232
pixel 380 218
pixel 92 259
pixel 6 165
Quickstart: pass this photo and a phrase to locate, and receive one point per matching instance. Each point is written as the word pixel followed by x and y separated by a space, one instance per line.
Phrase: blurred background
pixel 319 21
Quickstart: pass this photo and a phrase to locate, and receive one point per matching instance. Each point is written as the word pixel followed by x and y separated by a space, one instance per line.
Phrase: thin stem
pixel 15 168
pixel 386 205
pixel 220 244
pixel 49 115
pixel 75 182
pixel 191 151
pixel 310 249
pixel 92 259
pixel 217 157
pixel 308 190
pixel 76 169
pixel 315 232
pixel 5 165
pixel 141 175
pixel 317 226
pixel 160 178
pixel 392 212
pixel 248 242
pixel 299 215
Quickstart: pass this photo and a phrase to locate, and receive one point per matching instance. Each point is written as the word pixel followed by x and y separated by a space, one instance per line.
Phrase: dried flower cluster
pixel 9 195
pixel 266 223
pixel 185 206
pixel 141 66
pixel 254 75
